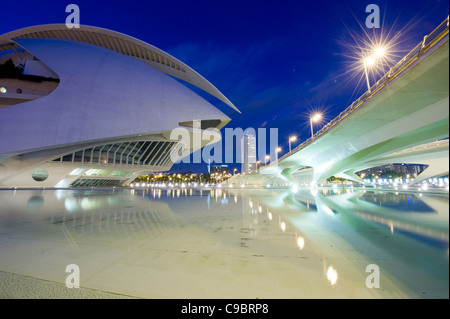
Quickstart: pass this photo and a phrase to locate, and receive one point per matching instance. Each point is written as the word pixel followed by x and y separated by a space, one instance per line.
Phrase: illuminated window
pixel 126 153
pixel 95 183
pixel 97 172
pixel 77 171
pixel 120 173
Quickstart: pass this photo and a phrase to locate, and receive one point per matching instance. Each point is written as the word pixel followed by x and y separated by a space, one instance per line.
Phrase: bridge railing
pixel 427 43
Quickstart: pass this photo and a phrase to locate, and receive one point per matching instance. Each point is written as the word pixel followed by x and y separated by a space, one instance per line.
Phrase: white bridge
pixel 403 118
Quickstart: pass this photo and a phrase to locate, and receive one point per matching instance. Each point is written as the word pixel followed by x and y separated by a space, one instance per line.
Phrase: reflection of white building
pixel 248 153
pixel 98 111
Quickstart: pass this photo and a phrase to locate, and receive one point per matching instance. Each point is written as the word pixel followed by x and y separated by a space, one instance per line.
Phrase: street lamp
pixel 370 61
pixel 234 171
pixel 314 118
pixel 291 139
pixel 266 159
pixel 276 153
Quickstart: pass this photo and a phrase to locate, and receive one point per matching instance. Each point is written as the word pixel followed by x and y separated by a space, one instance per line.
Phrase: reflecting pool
pixel 224 243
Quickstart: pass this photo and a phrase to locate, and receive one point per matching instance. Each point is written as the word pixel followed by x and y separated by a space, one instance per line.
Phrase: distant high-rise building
pixel 248 153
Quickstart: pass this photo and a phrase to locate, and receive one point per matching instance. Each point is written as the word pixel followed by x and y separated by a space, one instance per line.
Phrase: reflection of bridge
pixel 396 121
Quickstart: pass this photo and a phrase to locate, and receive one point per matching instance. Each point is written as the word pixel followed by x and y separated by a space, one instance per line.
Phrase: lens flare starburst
pixel 370 53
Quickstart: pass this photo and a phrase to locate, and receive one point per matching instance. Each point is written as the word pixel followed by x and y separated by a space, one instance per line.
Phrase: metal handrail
pixel 427 43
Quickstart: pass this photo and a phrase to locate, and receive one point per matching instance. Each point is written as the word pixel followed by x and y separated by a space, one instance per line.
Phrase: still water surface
pixel 229 243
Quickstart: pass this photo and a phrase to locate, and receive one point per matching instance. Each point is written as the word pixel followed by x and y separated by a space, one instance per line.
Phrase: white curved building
pixel 93 107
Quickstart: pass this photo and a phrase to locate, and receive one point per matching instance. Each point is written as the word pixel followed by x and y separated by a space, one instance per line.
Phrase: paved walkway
pixel 14 286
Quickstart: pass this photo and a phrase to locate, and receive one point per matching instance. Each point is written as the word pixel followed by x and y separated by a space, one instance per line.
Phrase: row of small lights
pixel 420 186
pixel 435 182
pixel 194 184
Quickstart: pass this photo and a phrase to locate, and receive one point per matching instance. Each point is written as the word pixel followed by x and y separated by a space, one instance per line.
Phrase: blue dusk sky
pixel 277 61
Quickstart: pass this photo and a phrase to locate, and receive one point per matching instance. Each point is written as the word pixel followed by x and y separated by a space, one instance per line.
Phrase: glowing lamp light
pixel 332 275
pixel 379 52
pixel 316 117
pixel 294 188
pixel 291 139
pixel 369 61
pixel 300 242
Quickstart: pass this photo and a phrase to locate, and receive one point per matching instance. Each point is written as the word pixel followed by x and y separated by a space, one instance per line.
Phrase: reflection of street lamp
pixel 332 275
pixel 291 139
pixel 314 118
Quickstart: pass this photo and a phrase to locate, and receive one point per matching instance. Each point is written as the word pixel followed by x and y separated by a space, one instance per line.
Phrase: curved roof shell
pixel 121 43
pixel 102 94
